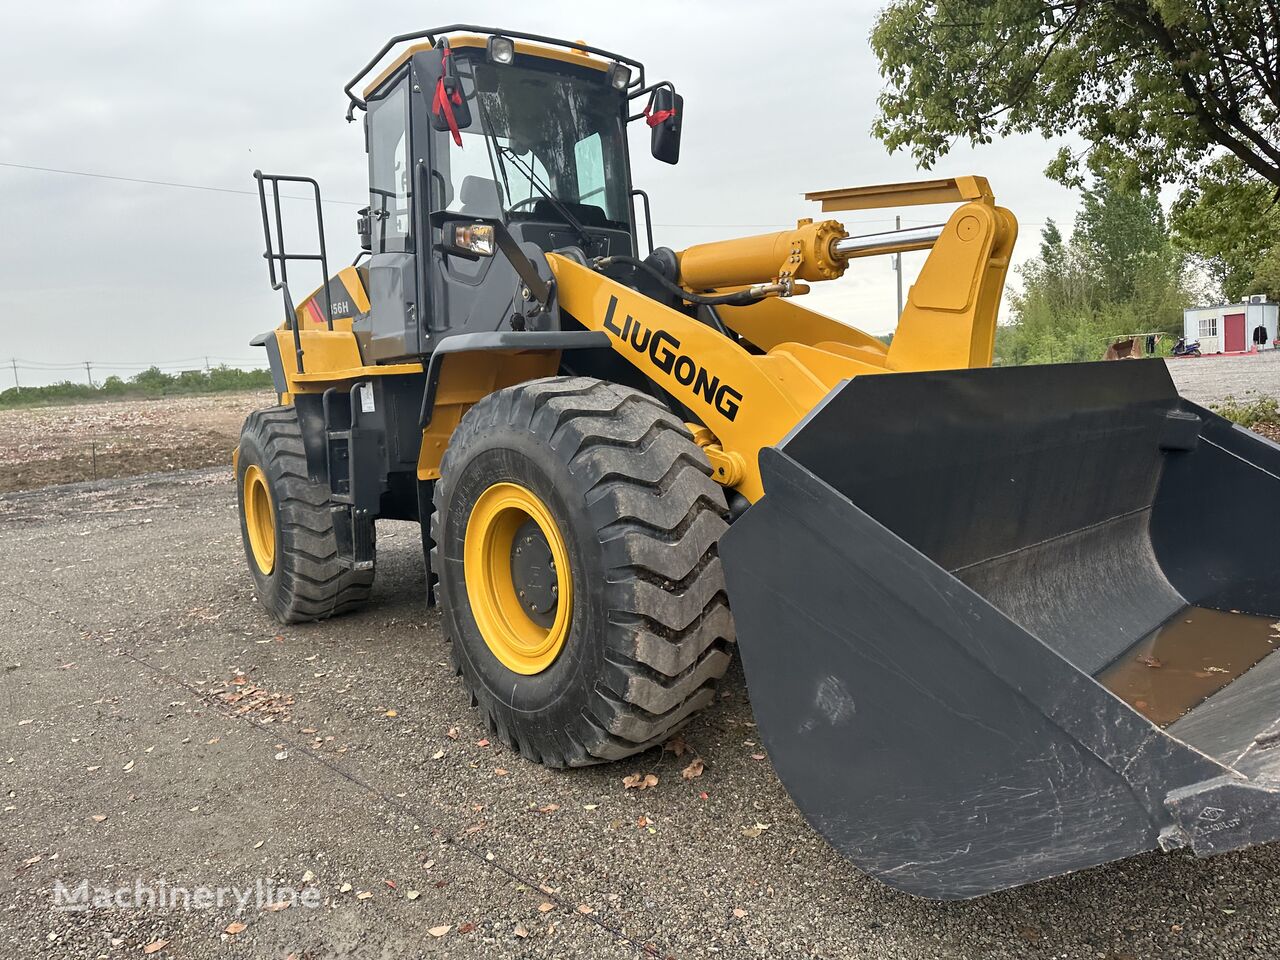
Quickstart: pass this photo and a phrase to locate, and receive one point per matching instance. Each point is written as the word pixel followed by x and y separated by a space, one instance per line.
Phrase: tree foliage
pixel 1152 86
pixel 152 382
pixel 1119 273
pixel 1230 219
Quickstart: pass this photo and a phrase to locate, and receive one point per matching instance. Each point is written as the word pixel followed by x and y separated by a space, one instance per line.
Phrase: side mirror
pixel 665 115
pixel 449 109
pixel 364 227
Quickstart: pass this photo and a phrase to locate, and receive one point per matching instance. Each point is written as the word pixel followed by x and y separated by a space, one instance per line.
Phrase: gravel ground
pixel 1209 379
pixel 156 725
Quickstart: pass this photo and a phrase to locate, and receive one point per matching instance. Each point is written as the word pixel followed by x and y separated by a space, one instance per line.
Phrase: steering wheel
pixel 526 202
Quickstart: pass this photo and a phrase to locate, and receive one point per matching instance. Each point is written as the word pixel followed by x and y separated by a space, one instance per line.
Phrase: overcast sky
pixel 128 274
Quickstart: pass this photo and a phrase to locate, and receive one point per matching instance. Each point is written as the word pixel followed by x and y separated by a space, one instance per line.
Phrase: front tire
pixel 611 656
pixel 286 523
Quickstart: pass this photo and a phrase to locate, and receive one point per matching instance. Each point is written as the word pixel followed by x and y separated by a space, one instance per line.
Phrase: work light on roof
pixel 619 76
pixel 501 49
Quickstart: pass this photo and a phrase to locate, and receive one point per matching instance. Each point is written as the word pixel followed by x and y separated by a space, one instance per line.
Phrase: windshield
pixel 537 132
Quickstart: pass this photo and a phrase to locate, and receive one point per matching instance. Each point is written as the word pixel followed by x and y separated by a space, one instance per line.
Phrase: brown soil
pixel 120 438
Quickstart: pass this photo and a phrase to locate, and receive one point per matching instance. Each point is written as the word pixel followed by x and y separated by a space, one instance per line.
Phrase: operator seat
pixel 479 197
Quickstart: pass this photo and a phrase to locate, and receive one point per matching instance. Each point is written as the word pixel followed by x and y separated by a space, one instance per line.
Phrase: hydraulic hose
pixel 739 298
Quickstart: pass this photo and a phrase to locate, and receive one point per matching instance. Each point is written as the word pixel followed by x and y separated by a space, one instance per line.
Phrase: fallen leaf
pixel 591 806
pixel 500 771
pixel 345 888
pixel 308 730
pixel 694 769
pixel 643 822
pixel 258 845
pixel 549 808
pixel 391 713
pixel 482 743
pixel 412 895
pixel 584 909
pixel 440 931
pixel 546 907
pixel 637 782
pixel 437 755
pixel 90 769
pixel 33 861
pixel 466 928
pixel 364 895
pixel 676 745
pixel 757 756
pixel 234 927
pixel 155 946
pixel 308 876
pixel 702 795
pixel 390 883
pixel 452 734
pixel 282 755
pixel 755 831
pixel 24 723
pixel 521 931
pixel 739 912
pixel 1150 661
pixel 277 907
pixel 98 817
pixel 1216 670
pixel 128 766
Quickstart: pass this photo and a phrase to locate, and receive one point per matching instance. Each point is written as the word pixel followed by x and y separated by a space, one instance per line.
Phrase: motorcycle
pixel 1184 349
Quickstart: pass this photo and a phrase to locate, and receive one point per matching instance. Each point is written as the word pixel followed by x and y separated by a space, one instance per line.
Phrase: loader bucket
pixel 1004 624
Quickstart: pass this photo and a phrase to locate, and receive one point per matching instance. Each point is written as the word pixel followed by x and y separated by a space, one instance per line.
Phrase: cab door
pixel 393 331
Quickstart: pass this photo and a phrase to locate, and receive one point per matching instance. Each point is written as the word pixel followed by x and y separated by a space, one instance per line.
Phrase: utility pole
pixel 206 366
pixel 897 265
pixel 16 384
pixel 88 371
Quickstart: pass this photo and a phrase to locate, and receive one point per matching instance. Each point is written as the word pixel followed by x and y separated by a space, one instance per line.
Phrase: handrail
pixel 359 103
pixel 283 256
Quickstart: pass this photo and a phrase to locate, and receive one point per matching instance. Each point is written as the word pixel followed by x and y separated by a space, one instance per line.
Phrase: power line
pixel 162 183
pixel 359 203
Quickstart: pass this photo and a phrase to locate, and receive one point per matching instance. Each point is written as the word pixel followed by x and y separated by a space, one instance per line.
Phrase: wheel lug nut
pixel 522 593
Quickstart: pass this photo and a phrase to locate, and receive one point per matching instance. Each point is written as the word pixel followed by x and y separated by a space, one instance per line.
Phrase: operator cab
pixel 470 137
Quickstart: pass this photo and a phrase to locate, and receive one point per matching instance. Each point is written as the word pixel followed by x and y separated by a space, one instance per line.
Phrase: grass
pixel 150 383
pixel 1253 411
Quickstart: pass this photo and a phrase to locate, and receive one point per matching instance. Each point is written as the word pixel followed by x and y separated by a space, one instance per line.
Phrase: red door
pixel 1233 333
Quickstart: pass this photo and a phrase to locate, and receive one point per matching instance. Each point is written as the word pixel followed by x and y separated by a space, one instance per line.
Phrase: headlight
pixel 501 49
pixel 619 76
pixel 476 237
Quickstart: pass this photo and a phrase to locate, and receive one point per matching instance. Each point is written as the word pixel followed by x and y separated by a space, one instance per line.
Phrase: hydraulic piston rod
pixel 892 241
pixel 812 251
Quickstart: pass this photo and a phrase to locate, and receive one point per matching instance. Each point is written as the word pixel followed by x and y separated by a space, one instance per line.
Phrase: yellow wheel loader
pixel 997 624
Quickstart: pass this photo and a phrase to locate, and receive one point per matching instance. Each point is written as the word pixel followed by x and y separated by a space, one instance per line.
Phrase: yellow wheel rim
pixel 523 623
pixel 259 518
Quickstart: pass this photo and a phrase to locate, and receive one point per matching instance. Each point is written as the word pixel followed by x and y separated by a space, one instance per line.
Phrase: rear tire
pixel 286 523
pixel 638 518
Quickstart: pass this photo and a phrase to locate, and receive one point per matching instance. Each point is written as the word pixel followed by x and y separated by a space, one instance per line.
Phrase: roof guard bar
pixel 357 103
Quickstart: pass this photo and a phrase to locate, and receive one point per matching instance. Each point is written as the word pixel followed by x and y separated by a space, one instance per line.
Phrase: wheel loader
pixel 997 624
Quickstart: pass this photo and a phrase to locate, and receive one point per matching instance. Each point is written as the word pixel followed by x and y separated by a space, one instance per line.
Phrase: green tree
pixel 1119 273
pixel 1155 88
pixel 1230 219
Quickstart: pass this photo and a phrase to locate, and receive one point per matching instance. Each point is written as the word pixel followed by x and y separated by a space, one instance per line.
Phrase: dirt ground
pixel 120 438
pixel 156 726
pixel 125 438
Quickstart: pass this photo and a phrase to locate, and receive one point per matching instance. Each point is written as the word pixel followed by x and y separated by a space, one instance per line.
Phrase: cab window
pixel 390 173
